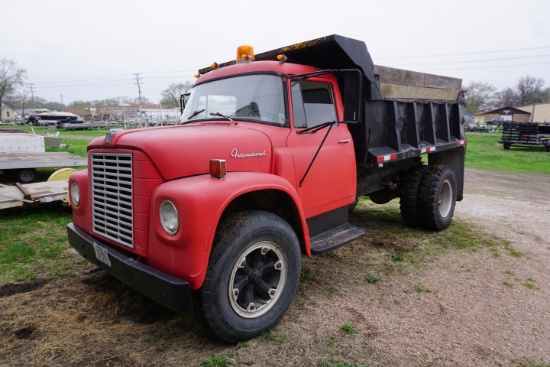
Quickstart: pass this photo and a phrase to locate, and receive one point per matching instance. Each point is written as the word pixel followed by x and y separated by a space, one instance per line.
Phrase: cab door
pixel 324 160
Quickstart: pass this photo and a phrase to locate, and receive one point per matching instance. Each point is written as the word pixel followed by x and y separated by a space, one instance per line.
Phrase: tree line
pixel 479 95
pixel 482 96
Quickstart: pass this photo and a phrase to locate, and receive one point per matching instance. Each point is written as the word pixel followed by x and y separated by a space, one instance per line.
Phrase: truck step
pixel 334 238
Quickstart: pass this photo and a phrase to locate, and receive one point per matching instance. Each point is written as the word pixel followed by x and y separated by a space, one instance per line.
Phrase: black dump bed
pixel 406 113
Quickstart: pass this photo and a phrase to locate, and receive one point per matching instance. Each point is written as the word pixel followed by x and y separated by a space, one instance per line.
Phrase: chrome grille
pixel 112 197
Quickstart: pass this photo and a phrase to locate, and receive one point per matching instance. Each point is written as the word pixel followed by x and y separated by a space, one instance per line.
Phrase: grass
pixel 483 152
pixel 336 362
pixel 371 278
pixel 307 275
pixel 34 244
pixel 349 330
pixel 220 360
pixel 419 288
pixel 530 362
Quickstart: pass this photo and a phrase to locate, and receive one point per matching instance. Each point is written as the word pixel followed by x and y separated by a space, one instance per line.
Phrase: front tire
pixel 437 198
pixel 252 276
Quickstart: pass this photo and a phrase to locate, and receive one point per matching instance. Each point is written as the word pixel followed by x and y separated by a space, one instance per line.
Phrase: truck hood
pixel 180 151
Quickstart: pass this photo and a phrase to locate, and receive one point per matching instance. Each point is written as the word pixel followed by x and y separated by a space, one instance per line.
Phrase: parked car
pixel 496 121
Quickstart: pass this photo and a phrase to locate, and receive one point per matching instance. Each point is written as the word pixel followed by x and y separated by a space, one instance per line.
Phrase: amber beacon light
pixel 245 53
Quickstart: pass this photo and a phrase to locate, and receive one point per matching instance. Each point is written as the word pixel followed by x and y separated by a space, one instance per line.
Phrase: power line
pixel 463 53
pixel 481 60
pixel 492 66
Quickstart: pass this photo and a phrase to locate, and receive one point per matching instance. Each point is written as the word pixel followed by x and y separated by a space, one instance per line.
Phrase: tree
pixel 529 91
pixel 479 95
pixel 40 102
pixel 508 97
pixel 11 77
pixel 171 95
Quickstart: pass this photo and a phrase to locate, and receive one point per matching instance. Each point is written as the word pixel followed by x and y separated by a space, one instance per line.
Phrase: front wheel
pixel 437 198
pixel 252 276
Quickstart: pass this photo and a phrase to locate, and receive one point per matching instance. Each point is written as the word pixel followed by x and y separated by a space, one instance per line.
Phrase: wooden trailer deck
pixel 40 160
pixel 33 194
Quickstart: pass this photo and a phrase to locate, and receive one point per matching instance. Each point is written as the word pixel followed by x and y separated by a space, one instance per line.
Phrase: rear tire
pixel 437 198
pixel 506 145
pixel 252 276
pixel 408 200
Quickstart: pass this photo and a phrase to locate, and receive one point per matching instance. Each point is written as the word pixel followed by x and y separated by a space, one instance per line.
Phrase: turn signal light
pixel 281 58
pixel 217 168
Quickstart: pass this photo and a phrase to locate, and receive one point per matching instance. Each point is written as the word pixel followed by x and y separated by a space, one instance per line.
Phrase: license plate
pixel 102 254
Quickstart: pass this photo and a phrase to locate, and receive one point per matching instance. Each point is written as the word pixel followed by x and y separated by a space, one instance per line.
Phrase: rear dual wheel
pixel 437 198
pixel 428 197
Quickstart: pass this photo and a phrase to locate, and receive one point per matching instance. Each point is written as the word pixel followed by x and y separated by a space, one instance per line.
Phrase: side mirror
pixel 351 87
pixel 183 100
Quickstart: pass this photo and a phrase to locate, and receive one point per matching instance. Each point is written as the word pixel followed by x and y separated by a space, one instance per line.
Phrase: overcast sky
pixel 86 50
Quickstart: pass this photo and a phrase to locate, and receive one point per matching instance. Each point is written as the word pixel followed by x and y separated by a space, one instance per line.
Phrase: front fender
pixel 200 202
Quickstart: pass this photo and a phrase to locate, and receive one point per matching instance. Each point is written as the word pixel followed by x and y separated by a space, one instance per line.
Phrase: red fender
pixel 200 202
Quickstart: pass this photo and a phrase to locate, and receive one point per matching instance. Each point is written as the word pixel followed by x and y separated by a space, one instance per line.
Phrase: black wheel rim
pixel 257 280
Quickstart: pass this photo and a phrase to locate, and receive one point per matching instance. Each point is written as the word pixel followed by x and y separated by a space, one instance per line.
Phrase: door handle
pixel 345 141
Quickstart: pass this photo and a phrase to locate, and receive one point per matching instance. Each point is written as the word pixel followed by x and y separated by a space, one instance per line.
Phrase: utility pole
pixel 31 89
pixel 139 90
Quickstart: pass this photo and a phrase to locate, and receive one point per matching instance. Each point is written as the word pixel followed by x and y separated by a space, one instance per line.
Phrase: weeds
pixel 220 360
pixel 371 278
pixel 307 275
pixel 530 362
pixel 419 288
pixel 349 330
pixel 274 336
pixel 334 362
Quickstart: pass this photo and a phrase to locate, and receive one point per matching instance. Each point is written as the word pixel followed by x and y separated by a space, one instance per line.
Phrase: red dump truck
pixel 272 151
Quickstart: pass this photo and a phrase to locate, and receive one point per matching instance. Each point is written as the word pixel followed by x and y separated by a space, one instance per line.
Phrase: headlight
pixel 169 217
pixel 75 194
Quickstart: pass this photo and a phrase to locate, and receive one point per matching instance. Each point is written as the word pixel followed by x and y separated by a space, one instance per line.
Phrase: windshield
pixel 249 97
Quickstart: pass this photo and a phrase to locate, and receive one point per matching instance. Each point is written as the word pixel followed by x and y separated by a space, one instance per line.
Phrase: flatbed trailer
pixel 530 133
pixel 24 165
pixel 33 194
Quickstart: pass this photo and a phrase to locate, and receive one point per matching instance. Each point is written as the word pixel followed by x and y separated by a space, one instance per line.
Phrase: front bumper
pixel 163 288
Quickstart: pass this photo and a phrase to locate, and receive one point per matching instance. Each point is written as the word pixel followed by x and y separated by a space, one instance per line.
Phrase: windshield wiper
pixel 191 116
pixel 314 129
pixel 221 115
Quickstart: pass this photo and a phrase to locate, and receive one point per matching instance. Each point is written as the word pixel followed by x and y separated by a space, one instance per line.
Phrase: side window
pixel 312 104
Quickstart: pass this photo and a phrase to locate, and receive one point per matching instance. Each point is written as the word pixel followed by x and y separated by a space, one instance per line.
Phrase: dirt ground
pixel 489 307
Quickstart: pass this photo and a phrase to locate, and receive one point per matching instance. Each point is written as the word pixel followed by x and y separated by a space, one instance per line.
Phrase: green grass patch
pixel 371 278
pixel 274 336
pixel 530 362
pixel 307 275
pixel 483 151
pixel 336 362
pixel 419 288
pixel 34 243
pixel 349 330
pixel 219 360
